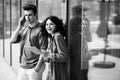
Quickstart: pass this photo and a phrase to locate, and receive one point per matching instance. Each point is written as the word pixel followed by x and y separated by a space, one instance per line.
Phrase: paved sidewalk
pixel 104 73
pixel 6 71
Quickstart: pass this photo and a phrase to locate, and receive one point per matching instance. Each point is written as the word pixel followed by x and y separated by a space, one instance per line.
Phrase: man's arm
pixel 39 64
pixel 17 31
pixel 15 35
pixel 88 32
pixel 43 42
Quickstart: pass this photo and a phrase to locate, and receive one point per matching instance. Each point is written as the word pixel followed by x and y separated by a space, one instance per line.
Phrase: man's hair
pixel 30 7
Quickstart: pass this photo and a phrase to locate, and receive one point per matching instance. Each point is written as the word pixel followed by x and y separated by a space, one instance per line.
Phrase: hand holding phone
pixel 22 20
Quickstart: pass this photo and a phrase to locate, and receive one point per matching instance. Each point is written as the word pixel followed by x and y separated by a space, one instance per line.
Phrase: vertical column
pixel 10 32
pixel 20 8
pixel 68 31
pixel 74 38
pixel 36 3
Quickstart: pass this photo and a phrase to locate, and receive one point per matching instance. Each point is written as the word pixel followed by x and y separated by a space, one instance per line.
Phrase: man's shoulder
pixel 38 25
pixel 75 19
pixel 38 28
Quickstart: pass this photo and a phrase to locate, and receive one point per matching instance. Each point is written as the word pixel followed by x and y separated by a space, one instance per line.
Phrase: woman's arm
pixel 62 49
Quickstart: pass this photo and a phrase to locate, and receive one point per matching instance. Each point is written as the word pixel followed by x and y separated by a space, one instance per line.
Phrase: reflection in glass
pixel 53 8
pixel 15 18
pixel 1 28
pixel 96 14
pixel 25 2
pixel 7 30
pixel 74 30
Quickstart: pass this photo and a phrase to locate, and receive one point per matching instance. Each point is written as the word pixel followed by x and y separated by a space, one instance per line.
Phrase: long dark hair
pixel 58 22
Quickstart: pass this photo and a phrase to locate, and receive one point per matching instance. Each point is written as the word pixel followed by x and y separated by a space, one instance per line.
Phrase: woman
pixel 57 51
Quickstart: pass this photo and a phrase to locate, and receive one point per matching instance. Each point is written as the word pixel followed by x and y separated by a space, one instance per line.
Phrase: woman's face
pixel 50 27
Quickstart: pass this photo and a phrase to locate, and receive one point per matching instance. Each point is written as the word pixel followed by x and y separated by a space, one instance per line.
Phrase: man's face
pixel 29 16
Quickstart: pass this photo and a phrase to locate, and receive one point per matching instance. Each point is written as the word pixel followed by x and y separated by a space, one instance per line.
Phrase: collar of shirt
pixel 31 27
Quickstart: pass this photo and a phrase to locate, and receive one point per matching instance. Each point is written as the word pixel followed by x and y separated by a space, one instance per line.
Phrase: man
pixel 86 37
pixel 86 25
pixel 75 44
pixel 32 40
pixel 78 45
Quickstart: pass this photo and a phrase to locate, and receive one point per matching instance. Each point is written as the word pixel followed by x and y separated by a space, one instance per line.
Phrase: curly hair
pixel 58 22
pixel 30 7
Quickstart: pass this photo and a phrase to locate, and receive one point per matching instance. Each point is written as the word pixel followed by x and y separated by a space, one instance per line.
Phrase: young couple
pixel 43 51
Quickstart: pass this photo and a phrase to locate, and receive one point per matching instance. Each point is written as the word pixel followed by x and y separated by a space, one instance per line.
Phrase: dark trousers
pixel 84 74
pixel 75 70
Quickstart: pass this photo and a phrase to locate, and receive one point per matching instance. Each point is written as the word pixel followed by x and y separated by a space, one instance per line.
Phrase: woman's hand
pixel 48 56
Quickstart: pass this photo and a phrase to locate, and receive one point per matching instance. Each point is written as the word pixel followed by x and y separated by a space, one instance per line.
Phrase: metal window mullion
pixel 20 8
pixel 68 20
pixel 68 31
pixel 36 3
pixel 10 32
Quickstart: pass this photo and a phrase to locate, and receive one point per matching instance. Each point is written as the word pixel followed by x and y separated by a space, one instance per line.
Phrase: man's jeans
pixel 30 74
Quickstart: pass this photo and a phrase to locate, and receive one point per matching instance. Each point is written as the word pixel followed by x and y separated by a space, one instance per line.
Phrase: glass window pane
pixel 98 22
pixel 25 2
pixel 28 1
pixel 52 8
pixel 15 47
pixel 105 34
pixel 1 27
pixel 7 30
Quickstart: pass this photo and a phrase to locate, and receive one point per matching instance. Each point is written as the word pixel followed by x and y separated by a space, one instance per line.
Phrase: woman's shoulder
pixel 57 35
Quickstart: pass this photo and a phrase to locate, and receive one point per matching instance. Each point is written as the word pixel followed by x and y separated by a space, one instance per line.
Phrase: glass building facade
pixel 99 13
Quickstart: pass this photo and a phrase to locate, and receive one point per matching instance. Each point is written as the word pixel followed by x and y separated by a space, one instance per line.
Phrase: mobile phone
pixel 23 20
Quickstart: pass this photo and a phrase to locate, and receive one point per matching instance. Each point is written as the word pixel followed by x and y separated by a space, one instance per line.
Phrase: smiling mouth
pixel 49 29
